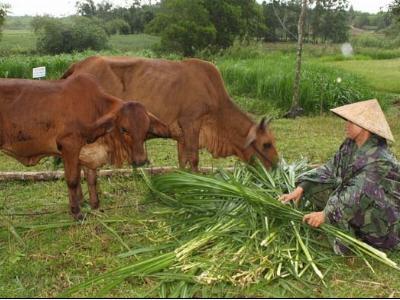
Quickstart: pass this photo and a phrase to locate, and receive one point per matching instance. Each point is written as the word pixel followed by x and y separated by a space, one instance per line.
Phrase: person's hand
pixel 293 196
pixel 315 219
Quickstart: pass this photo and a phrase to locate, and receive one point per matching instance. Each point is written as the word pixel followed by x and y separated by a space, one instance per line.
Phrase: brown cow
pixel 60 118
pixel 189 96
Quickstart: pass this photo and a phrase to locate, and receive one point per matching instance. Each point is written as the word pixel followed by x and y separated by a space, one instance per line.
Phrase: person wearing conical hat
pixel 365 178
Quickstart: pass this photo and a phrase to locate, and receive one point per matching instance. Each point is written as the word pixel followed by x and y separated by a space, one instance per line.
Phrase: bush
pixel 55 36
pixel 117 26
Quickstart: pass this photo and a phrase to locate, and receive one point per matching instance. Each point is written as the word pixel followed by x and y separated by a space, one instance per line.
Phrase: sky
pixel 67 7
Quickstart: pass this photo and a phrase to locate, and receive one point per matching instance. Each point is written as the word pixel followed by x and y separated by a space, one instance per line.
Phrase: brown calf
pixel 61 118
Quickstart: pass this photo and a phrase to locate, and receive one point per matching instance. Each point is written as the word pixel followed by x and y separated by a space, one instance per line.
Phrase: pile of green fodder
pixel 229 228
pixel 270 79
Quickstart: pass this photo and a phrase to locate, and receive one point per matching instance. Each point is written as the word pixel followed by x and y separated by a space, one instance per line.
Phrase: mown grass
pixel 17 41
pixel 381 75
pixel 133 42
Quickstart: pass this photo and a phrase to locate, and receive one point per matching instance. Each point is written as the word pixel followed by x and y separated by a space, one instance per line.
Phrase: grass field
pixel 17 41
pixel 24 41
pixel 43 251
pixel 381 75
pixel 50 246
pixel 133 42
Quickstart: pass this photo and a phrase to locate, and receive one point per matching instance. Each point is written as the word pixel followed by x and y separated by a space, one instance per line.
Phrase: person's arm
pixel 319 179
pixel 311 182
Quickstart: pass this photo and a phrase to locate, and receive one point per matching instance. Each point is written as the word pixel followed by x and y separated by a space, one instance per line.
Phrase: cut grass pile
pixel 230 228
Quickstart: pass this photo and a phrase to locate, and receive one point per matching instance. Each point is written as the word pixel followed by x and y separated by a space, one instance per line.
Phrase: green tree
pixel 252 17
pixel 40 22
pixel 3 14
pixel 361 20
pixel 184 26
pixel 395 9
pixel 86 8
pixel 136 16
pixel 315 20
pixel 384 20
pixel 225 16
pixel 327 20
pixel 334 24
pixel 270 20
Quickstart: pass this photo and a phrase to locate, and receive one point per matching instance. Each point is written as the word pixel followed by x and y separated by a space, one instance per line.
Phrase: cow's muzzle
pixel 138 164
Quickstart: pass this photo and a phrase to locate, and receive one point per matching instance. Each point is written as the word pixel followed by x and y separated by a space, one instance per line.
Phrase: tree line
pixel 189 26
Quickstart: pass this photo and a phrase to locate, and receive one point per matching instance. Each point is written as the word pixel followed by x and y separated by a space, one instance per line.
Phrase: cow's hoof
pixel 95 206
pixel 78 216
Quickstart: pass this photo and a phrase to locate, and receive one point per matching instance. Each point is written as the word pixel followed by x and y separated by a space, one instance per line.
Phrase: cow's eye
pixel 124 130
pixel 267 146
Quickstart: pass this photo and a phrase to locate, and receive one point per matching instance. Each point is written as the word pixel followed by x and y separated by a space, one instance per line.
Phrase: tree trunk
pixel 296 110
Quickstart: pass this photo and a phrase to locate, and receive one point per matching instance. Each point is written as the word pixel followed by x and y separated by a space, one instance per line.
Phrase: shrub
pixel 55 36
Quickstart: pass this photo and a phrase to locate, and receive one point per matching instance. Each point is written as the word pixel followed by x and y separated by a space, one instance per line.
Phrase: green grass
pixel 133 42
pixel 24 42
pixel 69 254
pixel 42 252
pixel 17 41
pixel 269 79
pixel 381 75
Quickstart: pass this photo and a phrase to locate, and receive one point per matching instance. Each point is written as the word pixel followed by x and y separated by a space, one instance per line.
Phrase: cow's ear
pixel 264 123
pixel 99 128
pixel 251 136
pixel 157 128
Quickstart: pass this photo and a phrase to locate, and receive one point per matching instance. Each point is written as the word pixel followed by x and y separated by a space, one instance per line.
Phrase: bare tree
pixel 296 110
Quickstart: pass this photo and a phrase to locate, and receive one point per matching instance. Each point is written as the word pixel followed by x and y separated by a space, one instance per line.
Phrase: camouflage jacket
pixel 366 191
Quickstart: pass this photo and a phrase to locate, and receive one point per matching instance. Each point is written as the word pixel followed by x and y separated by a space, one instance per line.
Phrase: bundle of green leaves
pixel 230 228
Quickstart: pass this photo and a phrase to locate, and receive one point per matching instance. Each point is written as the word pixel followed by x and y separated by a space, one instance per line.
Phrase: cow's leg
pixel 72 177
pixel 70 149
pixel 181 153
pixel 191 131
pixel 91 178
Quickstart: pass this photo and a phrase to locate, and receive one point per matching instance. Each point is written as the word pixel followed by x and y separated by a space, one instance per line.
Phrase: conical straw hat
pixel 368 115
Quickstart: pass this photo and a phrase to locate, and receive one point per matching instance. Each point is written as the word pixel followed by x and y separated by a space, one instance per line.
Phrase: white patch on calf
pixel 94 155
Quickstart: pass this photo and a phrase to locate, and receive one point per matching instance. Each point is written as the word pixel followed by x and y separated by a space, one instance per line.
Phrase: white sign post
pixel 39 72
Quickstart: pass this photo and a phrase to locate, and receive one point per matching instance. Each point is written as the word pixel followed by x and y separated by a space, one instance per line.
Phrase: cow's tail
pixel 69 72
